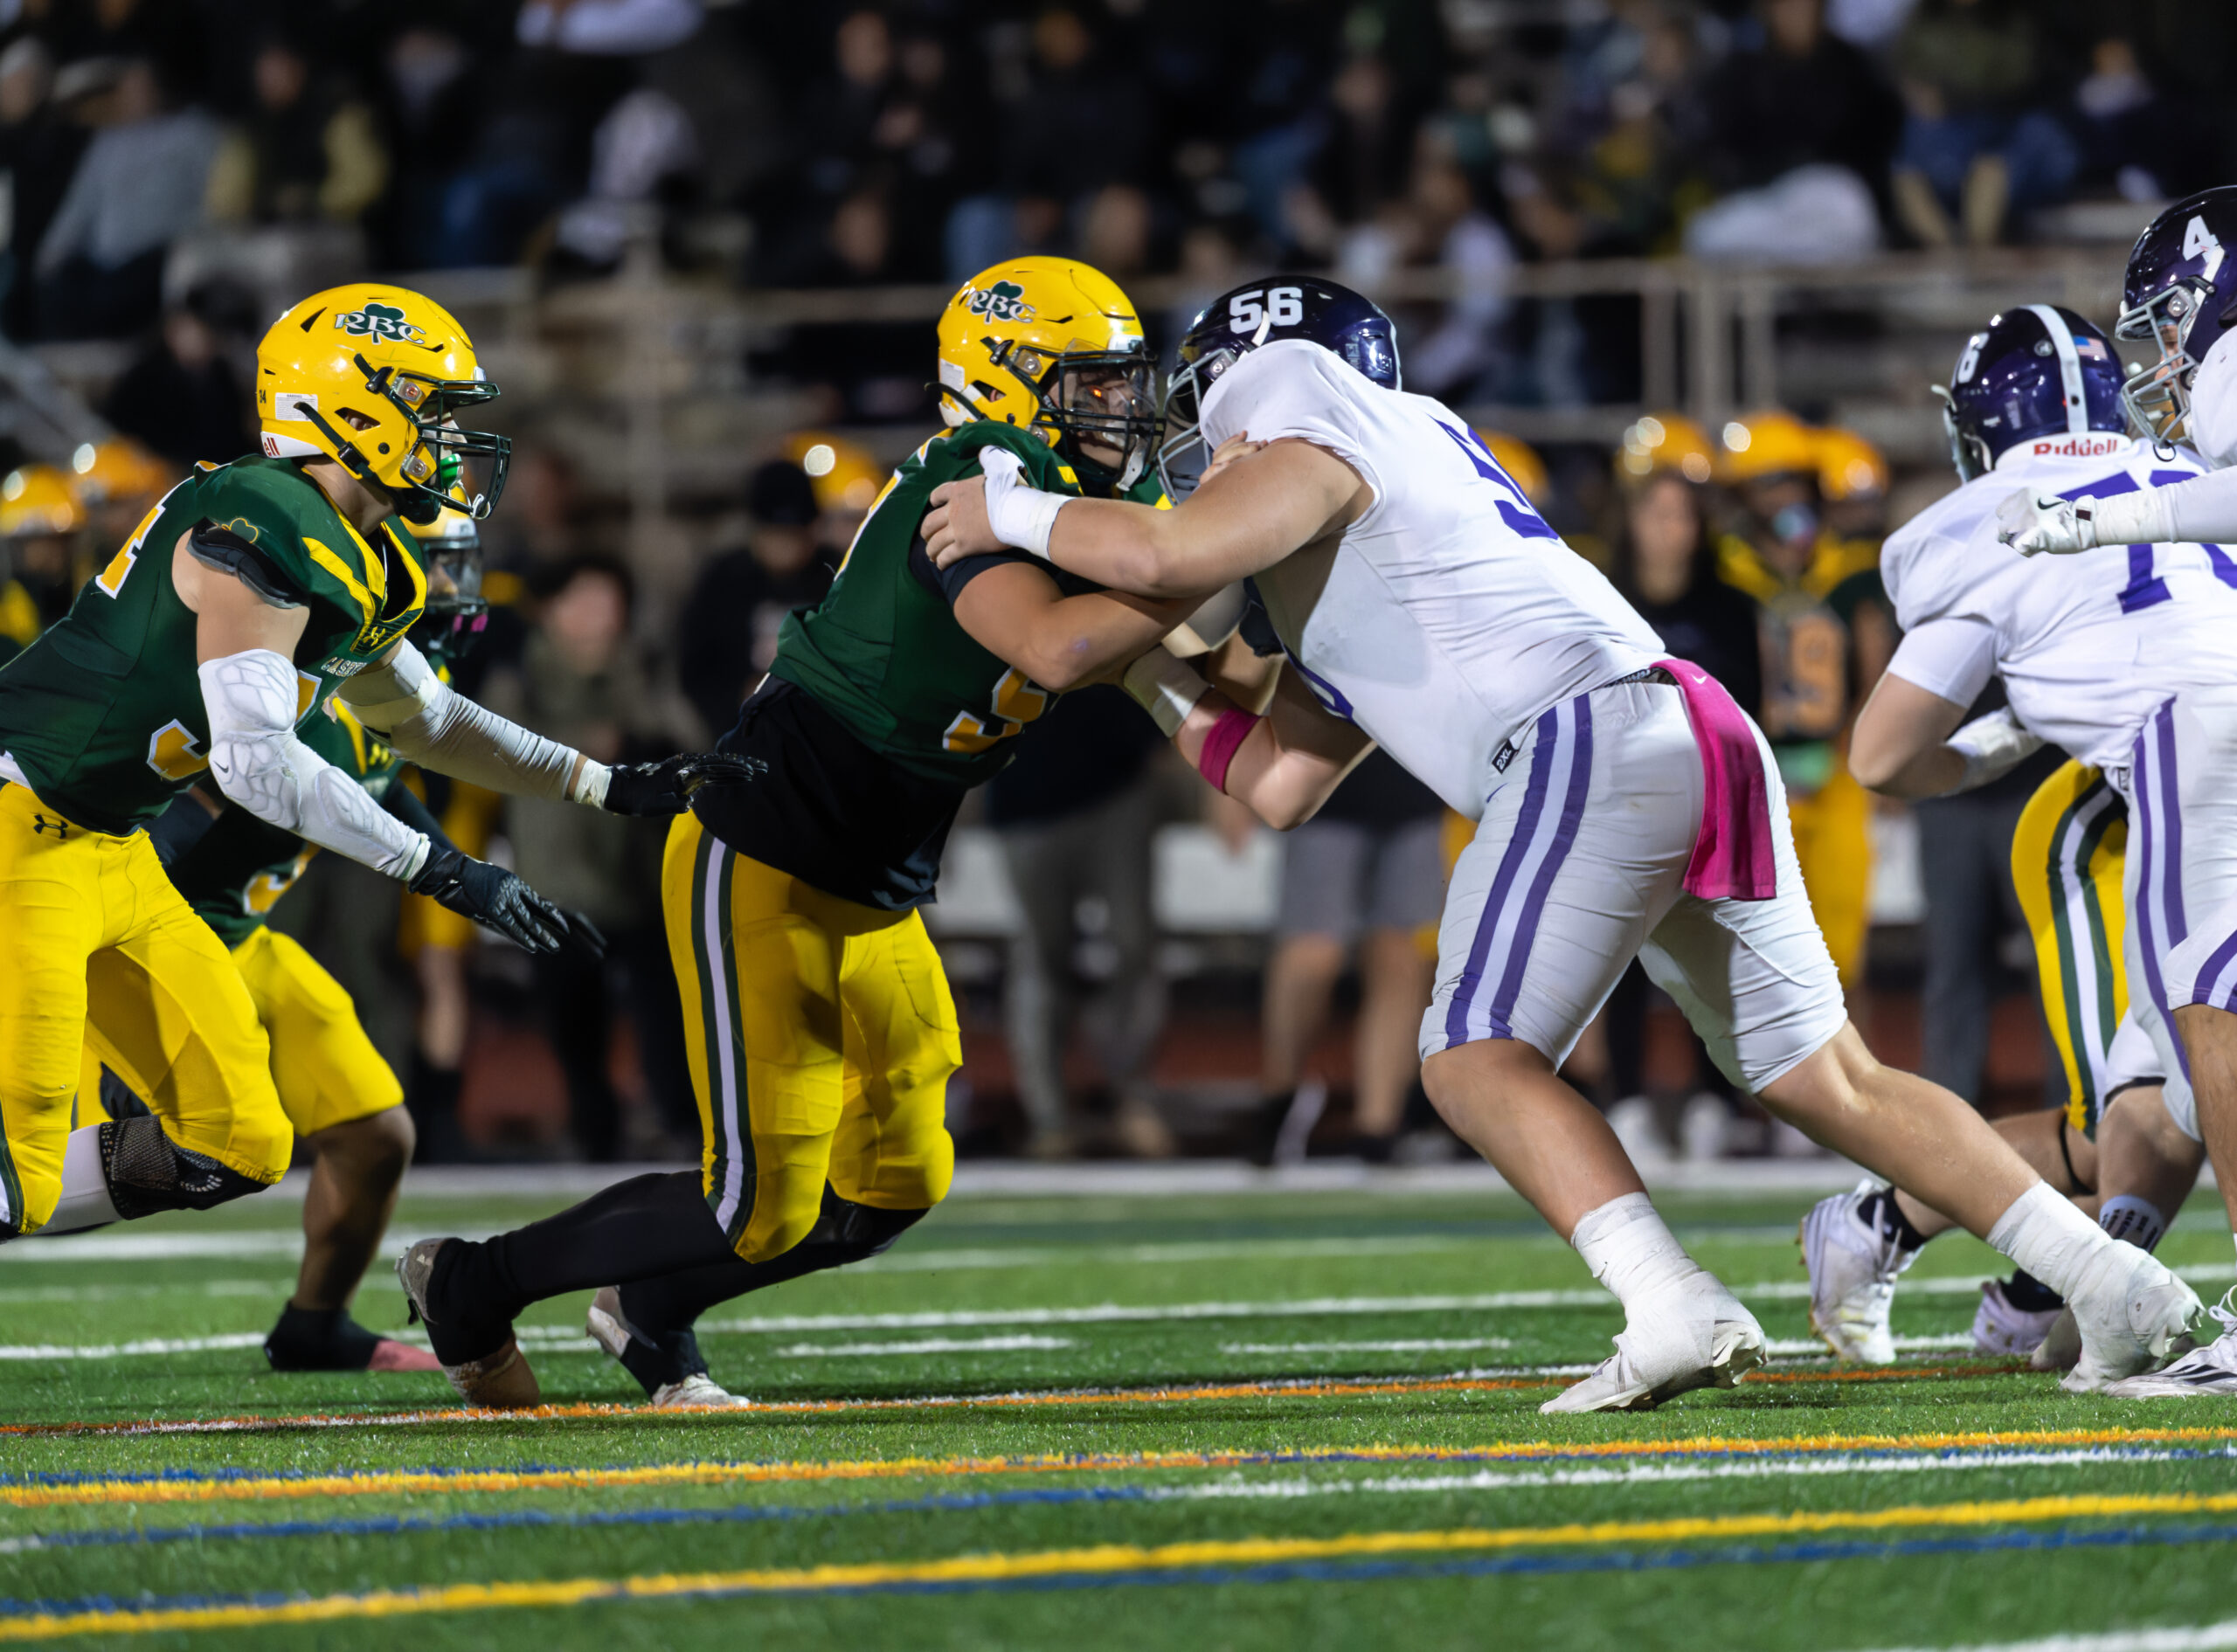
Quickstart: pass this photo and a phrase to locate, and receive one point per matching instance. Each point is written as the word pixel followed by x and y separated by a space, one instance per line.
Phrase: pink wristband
pixel 1220 746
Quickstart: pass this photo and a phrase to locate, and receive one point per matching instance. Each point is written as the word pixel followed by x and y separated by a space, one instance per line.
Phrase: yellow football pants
pixel 84 916
pixel 1832 842
pixel 820 1034
pixel 2066 857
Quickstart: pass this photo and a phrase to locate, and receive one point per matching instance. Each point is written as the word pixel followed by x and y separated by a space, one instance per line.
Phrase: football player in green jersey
pixel 824 1033
pixel 249 596
pixel 342 1097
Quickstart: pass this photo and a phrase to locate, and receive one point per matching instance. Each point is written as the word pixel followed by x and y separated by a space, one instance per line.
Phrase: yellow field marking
pixel 1103 1559
pixel 406 1482
pixel 1170 1395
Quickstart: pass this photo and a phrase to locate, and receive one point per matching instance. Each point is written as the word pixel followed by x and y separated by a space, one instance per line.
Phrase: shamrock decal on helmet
pixel 381 322
pixel 1003 301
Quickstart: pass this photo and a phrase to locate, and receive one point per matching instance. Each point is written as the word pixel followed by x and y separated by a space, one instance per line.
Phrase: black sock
pixel 1266 1125
pixel 2030 1295
pixel 433 1104
pixel 661 1311
pixel 1374 1147
pixel 319 1339
pixel 1886 1215
pixel 637 1229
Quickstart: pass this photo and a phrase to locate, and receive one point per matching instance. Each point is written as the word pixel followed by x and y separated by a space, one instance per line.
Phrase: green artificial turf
pixel 1310 1305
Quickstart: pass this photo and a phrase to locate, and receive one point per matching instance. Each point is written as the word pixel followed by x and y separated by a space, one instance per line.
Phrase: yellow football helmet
pixel 116 472
pixel 1519 460
pixel 1666 441
pixel 1769 443
pixel 1052 345
pixel 37 499
pixel 845 476
pixel 1849 466
pixel 372 377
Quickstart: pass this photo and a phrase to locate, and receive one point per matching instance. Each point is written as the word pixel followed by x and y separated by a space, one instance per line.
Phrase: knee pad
pixel 148 1172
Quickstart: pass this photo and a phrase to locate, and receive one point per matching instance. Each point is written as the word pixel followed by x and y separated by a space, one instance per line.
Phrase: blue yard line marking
pixel 1351 1571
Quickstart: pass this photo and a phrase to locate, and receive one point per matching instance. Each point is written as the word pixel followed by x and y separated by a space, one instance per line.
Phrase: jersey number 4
pixel 1016 703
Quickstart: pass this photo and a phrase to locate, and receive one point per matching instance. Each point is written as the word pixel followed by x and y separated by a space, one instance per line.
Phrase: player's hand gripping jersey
pixel 1449 616
pixel 103 717
pixel 902 713
pixel 2089 646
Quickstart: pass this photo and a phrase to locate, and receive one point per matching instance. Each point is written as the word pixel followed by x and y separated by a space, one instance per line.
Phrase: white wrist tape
pixel 1019 515
pixel 1166 689
pixel 414 710
pixel 1213 623
pixel 1992 746
pixel 2141 518
pixel 259 764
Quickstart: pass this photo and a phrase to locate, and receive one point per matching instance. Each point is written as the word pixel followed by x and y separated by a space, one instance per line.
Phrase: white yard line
pixel 926 1346
pixel 2202 1637
pixel 1420 1345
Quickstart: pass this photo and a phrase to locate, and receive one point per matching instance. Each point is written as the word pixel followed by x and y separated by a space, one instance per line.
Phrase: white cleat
pixel 696 1393
pixel 2003 1332
pixel 2134 1314
pixel 1853 1268
pixel 1700 1336
pixel 610 1330
pixel 2209 1372
pixel 2061 1349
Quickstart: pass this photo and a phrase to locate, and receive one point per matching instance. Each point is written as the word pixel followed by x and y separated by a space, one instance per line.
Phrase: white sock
pixel 1630 1249
pixel 2048 1237
pixel 84 1201
pixel 2137 1220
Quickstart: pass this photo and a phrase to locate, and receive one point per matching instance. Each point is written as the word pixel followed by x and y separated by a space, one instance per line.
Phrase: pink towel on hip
pixel 1732 858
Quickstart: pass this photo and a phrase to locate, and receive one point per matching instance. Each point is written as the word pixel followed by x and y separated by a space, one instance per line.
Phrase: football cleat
pixel 1854 1265
pixel 2003 1331
pixel 1698 1337
pixel 696 1393
pixel 2060 1347
pixel 2208 1373
pixel 502 1381
pixel 2134 1314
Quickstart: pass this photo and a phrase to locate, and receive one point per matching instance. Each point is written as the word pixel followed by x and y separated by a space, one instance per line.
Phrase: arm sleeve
pixel 259 764
pixel 2201 509
pixel 1952 658
pixel 951 580
pixel 405 702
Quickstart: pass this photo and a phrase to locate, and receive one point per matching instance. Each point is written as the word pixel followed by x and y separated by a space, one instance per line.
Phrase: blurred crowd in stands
pixel 834 147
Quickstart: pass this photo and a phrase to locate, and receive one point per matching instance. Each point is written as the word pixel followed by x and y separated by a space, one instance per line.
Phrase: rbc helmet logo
pixel 1003 301
pixel 381 321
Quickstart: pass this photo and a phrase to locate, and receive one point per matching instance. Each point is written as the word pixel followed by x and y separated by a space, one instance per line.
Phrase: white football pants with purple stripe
pixel 2181 877
pixel 1577 868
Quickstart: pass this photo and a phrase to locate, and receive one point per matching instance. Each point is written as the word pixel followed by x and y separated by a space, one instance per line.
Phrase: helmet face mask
pixel 2158 394
pixel 1097 398
pixel 455 613
pixel 2179 273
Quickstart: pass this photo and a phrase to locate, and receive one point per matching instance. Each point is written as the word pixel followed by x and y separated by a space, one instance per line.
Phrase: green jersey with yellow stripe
pixel 103 714
pixel 883 653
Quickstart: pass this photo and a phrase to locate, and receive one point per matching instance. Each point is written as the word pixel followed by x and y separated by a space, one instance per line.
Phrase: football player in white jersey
pixel 1626 807
pixel 2156 527
pixel 2089 650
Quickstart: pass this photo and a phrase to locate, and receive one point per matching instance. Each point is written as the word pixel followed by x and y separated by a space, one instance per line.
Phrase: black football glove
pixel 666 787
pixel 584 938
pixel 491 895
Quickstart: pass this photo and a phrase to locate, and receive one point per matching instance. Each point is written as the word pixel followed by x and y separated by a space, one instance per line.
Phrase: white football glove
pixel 2031 524
pixel 1020 514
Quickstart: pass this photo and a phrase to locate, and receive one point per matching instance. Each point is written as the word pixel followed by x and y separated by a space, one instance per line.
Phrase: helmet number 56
pixel 1283 306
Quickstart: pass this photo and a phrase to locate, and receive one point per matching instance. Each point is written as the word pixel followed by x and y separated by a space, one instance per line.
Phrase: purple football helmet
pixel 2038 371
pixel 2180 292
pixel 1235 322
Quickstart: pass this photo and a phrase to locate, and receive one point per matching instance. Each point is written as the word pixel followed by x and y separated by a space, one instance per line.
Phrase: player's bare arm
pixel 1259 509
pixel 1908 743
pixel 1291 759
pixel 1017 613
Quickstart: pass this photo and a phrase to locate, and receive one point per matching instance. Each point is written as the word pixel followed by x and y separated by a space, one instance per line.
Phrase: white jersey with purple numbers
pixel 1449 616
pixel 2089 646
